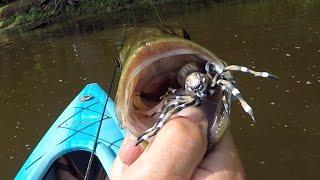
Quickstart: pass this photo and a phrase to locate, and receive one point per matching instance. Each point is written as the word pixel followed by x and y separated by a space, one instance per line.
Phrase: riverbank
pixel 27 15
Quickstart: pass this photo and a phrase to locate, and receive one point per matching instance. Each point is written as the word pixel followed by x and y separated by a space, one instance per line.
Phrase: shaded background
pixel 42 71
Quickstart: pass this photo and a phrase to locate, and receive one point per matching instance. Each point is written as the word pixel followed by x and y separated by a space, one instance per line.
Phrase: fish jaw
pixel 148 60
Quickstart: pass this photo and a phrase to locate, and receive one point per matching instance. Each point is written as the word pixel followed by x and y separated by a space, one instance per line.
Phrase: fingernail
pixel 129 152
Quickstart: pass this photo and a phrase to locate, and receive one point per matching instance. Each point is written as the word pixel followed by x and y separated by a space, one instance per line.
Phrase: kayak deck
pixel 75 130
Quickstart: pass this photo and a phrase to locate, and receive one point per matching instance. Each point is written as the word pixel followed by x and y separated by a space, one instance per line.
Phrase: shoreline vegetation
pixel 27 15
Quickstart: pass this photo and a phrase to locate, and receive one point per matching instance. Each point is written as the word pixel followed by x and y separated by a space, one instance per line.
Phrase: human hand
pixel 177 152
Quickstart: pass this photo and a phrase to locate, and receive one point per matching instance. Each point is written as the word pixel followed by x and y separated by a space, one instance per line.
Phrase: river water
pixel 42 71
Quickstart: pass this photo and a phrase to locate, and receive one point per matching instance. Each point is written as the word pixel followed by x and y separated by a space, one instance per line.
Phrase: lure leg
pixel 165 103
pixel 170 95
pixel 236 93
pixel 157 109
pixel 163 118
pixel 247 70
pixel 172 108
pixel 225 104
pixel 174 101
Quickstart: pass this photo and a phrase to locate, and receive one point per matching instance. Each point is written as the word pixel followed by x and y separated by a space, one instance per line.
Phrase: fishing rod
pixel 117 65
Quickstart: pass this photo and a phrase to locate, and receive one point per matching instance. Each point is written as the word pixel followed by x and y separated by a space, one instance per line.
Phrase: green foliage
pixel 93 6
pixel 32 15
pixel 9 21
pixel 84 7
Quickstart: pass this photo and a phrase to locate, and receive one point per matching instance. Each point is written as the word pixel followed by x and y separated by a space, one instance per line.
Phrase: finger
pixel 221 163
pixel 118 169
pixel 129 152
pixel 176 150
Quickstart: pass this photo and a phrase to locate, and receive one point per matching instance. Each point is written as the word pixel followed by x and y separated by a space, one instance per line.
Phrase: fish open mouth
pixel 156 79
pixel 158 59
pixel 153 84
pixel 149 71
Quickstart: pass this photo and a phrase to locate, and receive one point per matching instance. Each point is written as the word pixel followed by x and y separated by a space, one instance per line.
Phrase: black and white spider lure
pixel 197 87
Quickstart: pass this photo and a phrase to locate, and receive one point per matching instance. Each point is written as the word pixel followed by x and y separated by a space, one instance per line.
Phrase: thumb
pixel 177 149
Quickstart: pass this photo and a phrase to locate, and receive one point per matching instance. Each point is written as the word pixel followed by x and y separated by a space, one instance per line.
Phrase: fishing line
pixel 117 67
pixel 157 13
pixel 100 124
pixel 104 109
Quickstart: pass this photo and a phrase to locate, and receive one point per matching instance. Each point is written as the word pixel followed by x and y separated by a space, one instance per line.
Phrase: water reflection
pixel 42 71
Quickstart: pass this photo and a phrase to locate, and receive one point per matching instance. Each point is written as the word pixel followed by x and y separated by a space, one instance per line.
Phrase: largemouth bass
pixel 163 71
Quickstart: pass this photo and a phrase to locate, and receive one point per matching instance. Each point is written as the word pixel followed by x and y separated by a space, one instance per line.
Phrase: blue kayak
pixel 73 135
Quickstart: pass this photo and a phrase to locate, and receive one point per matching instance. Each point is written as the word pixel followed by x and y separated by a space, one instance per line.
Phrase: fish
pixel 162 64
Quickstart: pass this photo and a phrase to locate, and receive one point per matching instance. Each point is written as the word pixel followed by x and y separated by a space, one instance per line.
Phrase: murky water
pixel 41 72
